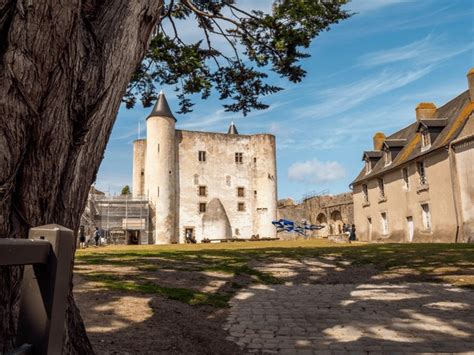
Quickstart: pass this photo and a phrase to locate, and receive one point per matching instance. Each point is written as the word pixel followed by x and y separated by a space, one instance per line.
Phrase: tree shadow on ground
pixel 364 298
pixel 354 316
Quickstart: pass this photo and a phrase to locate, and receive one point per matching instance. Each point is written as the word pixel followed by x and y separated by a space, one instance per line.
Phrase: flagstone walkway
pixel 353 318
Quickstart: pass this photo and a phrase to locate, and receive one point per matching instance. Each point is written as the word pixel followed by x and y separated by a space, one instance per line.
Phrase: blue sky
pixel 366 74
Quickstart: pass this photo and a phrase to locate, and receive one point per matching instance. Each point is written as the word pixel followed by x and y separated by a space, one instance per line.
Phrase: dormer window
pixel 425 140
pixel 368 168
pixel 387 157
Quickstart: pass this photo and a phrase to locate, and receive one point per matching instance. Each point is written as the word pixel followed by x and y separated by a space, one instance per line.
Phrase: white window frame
pixel 426 216
pixel 368 168
pixel 387 157
pixel 421 167
pixel 425 145
pixel 365 192
pixel 384 223
pixel 406 178
pixel 381 183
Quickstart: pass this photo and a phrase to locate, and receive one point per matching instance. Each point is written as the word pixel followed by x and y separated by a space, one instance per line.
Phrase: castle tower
pixel 139 151
pixel 265 193
pixel 160 171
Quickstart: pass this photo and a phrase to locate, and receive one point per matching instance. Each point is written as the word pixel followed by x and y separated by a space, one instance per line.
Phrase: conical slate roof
pixel 232 129
pixel 161 108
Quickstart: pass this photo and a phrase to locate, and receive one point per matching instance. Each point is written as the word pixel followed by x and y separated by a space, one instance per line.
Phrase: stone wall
pixel 221 177
pixel 332 211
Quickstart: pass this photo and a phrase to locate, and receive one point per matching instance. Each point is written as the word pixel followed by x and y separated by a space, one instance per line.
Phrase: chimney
pixel 425 111
pixel 470 83
pixel 379 138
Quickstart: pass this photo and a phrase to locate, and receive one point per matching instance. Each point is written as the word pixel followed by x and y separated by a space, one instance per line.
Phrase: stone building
pixel 212 185
pixel 331 211
pixel 417 184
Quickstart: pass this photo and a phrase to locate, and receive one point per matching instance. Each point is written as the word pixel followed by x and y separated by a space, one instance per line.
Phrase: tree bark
pixel 64 67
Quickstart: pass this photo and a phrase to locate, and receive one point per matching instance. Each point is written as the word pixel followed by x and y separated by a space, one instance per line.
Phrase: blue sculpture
pixel 285 225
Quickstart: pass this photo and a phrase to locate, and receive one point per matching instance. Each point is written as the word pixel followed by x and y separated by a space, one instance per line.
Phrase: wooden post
pixel 44 292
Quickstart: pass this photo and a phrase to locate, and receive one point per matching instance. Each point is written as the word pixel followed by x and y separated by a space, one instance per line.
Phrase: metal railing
pixel 47 255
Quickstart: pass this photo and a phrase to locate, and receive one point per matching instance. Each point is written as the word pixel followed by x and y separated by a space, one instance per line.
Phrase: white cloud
pixel 364 6
pixel 345 97
pixel 315 171
pixel 425 51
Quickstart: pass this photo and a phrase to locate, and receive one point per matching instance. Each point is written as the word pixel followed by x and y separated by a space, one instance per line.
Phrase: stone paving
pixel 353 318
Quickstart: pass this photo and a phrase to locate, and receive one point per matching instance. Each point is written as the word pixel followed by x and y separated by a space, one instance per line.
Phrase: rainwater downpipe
pixel 454 181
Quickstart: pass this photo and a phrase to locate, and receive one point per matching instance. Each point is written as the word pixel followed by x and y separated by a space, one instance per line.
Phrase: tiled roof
pixel 400 142
pixel 456 113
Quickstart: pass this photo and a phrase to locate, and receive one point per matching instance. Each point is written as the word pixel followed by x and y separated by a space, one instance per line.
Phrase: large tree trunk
pixel 64 67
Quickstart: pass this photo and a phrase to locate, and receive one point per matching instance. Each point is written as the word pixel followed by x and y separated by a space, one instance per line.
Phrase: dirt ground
pixel 124 323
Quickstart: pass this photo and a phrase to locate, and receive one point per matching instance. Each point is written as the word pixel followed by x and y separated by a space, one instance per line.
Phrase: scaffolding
pixel 121 219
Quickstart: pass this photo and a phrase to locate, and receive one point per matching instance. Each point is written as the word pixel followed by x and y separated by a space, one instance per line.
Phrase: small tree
pixel 125 190
pixel 64 70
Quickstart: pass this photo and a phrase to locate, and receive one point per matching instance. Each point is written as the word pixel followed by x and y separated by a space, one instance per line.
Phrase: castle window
pixel 227 180
pixel 142 173
pixel 202 156
pixel 202 207
pixel 406 181
pixel 238 158
pixel 240 192
pixel 365 192
pixel 237 232
pixel 158 148
pixel 196 179
pixel 241 207
pixel 255 160
pixel 255 193
pixel 202 191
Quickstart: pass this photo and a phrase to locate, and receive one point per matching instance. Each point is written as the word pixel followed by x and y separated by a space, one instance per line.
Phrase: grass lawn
pixel 235 262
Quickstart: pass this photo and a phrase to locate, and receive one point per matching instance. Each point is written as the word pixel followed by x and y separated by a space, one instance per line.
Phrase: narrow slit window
pixel 202 156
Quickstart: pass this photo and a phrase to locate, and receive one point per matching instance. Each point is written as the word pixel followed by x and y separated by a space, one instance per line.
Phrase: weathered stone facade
pixel 331 211
pixel 213 185
pixel 418 185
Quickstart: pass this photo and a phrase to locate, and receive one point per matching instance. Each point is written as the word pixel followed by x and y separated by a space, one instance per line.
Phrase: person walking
pixel 352 234
pixel 96 236
pixel 82 238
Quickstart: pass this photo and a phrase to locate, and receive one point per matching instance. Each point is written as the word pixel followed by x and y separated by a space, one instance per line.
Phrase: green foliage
pixel 274 41
pixel 126 190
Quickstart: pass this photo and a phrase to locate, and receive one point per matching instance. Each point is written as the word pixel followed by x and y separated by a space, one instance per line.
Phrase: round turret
pixel 160 171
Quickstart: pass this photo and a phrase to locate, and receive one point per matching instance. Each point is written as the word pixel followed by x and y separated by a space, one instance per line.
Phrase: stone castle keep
pixel 210 185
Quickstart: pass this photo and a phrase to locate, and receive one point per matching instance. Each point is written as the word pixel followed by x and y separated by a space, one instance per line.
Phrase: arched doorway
pixel 322 220
pixel 336 222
